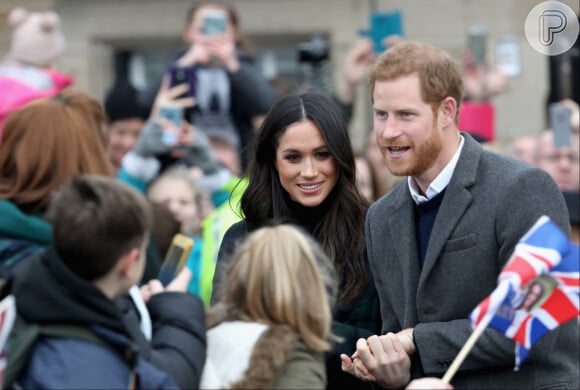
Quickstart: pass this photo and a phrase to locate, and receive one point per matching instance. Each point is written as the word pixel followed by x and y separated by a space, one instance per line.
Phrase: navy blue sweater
pixel 425 214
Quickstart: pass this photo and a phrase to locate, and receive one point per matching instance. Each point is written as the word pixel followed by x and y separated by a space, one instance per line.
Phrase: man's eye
pixel 381 115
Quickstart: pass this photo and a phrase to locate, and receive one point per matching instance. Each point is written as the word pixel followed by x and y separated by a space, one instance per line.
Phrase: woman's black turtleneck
pixel 308 217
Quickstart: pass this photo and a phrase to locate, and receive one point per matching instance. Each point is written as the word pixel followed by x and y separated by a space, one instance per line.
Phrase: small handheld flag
pixel 538 290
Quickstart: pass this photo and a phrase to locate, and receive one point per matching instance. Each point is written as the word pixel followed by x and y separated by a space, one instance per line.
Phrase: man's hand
pixel 380 358
pixel 406 338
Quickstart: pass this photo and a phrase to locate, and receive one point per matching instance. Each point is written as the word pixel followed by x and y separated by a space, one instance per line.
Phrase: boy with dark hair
pixel 100 230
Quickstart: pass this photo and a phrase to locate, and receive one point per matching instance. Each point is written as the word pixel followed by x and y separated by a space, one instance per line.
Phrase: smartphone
pixel 507 56
pixel 175 258
pixel 384 24
pixel 561 125
pixel 215 22
pixel 477 43
pixel 184 76
pixel 173 113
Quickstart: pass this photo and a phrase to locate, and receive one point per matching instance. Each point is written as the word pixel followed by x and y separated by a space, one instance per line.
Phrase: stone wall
pixel 94 29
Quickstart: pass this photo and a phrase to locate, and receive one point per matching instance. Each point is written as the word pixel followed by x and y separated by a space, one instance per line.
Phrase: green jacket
pixel 214 227
pixel 21 235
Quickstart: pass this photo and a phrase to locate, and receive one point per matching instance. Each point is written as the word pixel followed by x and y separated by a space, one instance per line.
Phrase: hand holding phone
pixel 175 258
pixel 187 75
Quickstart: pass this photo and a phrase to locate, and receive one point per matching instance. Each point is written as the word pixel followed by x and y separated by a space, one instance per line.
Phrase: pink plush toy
pixel 26 74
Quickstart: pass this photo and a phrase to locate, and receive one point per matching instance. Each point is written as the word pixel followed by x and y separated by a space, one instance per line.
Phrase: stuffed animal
pixel 26 73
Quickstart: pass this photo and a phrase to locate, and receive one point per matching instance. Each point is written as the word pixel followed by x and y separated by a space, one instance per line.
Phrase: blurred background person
pixel 366 178
pixel 44 143
pixel 230 92
pixel 563 163
pixel 523 148
pixel 126 119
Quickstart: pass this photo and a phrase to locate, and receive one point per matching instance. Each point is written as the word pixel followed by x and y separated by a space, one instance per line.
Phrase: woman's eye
pixel 323 155
pixel 291 157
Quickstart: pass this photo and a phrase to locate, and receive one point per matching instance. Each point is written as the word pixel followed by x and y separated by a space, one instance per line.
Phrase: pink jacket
pixel 19 84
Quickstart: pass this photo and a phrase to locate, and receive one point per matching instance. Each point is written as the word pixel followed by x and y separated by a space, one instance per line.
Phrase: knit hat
pixel 36 37
pixel 122 103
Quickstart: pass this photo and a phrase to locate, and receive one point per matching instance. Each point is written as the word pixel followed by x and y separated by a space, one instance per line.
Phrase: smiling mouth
pixel 310 187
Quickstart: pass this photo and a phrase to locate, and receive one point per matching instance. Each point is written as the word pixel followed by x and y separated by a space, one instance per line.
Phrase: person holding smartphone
pixel 231 94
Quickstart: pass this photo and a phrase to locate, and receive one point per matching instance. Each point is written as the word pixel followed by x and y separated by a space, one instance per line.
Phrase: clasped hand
pixel 382 359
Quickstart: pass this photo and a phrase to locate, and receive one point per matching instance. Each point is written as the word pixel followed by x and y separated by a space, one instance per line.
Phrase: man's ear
pixel 127 262
pixel 447 111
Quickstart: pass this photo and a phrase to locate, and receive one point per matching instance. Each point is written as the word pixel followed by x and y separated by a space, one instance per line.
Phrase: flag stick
pixel 464 351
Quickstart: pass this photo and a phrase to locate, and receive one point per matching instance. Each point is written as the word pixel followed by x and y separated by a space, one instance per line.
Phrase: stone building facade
pixel 98 29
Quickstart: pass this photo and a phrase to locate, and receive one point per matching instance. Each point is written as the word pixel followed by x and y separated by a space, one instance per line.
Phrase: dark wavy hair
pixel 341 230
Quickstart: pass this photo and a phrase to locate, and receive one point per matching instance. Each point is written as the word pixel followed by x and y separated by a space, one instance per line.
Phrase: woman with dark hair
pixel 302 170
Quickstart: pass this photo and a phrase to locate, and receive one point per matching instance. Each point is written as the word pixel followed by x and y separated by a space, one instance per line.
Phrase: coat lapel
pixel 402 229
pixel 457 199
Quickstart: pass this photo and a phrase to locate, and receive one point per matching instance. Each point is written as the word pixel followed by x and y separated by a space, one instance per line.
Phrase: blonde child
pixel 271 326
pixel 176 189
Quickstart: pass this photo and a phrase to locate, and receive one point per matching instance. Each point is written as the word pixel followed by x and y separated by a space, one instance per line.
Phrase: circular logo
pixel 552 28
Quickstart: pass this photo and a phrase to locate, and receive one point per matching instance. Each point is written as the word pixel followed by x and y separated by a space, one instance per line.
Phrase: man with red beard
pixel 437 242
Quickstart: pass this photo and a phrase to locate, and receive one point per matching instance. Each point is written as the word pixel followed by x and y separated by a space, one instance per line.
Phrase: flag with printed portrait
pixel 538 289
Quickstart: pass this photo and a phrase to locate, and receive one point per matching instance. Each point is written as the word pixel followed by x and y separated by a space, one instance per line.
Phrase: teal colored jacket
pixel 21 235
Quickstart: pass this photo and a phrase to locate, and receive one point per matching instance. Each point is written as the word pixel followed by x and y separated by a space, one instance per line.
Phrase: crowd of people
pixel 313 266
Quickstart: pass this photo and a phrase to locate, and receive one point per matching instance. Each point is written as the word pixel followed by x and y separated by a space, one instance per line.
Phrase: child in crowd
pixel 178 191
pixel 100 233
pixel 272 324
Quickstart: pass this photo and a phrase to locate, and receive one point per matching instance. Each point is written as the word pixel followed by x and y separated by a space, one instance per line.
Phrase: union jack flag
pixel 538 289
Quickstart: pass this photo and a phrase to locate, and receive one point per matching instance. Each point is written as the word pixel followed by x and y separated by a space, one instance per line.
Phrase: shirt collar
pixel 440 182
